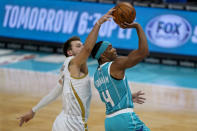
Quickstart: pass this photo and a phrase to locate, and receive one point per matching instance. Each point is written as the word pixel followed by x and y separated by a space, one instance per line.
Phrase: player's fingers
pixel 142 98
pixel 107 19
pixel 140 92
pixel 21 122
pixel 131 25
pixel 108 16
pixel 127 23
pixel 111 10
pixel 140 102
pixel 123 26
pixel 18 117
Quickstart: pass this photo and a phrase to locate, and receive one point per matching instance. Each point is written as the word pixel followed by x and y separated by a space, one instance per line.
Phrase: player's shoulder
pixel 119 60
pixel 68 60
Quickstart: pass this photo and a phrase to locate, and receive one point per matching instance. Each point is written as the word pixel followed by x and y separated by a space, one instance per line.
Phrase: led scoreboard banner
pixel 167 31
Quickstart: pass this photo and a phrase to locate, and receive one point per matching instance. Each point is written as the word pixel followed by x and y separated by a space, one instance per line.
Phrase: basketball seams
pixel 118 14
pixel 126 14
pixel 117 20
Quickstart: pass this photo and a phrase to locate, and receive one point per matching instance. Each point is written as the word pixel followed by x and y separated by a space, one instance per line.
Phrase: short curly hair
pixel 67 45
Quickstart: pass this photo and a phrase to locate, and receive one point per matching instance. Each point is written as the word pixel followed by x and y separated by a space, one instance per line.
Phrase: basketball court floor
pixel 25 77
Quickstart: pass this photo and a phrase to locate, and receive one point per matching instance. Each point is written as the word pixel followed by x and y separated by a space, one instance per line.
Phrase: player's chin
pixel 115 56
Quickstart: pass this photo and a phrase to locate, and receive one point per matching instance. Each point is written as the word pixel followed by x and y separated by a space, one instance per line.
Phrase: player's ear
pixel 69 52
pixel 102 55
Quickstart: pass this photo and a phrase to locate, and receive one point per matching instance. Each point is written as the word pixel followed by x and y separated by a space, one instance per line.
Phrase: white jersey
pixel 76 98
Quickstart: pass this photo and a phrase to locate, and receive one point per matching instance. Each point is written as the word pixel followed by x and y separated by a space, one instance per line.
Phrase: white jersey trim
pixel 127 110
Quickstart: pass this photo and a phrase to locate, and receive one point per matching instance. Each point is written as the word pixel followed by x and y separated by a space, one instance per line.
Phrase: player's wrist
pixel 137 25
pixel 98 23
pixel 33 110
pixel 33 113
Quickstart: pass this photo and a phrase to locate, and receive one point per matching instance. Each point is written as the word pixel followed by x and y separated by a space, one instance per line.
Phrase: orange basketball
pixel 124 12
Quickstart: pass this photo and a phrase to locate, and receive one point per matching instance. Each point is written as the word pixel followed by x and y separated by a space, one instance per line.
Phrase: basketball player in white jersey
pixel 74 84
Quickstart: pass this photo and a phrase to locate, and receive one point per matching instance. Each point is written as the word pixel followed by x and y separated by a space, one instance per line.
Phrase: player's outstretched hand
pixel 137 97
pixel 26 117
pixel 129 25
pixel 106 17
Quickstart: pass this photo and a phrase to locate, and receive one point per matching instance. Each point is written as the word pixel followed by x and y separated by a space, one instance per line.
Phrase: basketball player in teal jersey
pixel 112 84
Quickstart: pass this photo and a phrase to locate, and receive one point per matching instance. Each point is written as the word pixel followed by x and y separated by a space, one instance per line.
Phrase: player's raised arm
pixel 134 56
pixel 82 57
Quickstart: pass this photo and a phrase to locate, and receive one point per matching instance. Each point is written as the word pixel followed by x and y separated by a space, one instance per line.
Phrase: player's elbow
pixel 144 53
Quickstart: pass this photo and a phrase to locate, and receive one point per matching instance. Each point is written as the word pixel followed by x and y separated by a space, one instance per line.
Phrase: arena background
pixel 31 38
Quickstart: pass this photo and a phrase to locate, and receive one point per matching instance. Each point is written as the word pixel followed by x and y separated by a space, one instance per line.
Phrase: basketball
pixel 124 12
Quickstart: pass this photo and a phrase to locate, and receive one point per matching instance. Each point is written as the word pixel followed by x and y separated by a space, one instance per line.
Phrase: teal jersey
pixel 114 93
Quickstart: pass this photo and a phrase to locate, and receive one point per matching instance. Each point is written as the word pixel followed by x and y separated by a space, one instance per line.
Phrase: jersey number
pixel 108 99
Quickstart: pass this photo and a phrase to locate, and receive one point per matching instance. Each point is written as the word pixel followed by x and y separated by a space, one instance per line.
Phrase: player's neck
pixel 104 61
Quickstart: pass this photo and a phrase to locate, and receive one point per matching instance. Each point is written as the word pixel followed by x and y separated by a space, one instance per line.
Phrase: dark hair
pixel 67 45
pixel 96 48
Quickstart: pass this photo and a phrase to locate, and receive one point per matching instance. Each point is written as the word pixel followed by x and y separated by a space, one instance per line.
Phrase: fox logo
pixel 168 31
